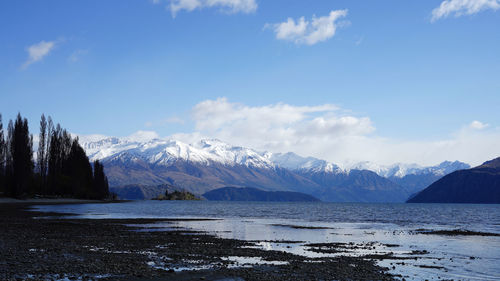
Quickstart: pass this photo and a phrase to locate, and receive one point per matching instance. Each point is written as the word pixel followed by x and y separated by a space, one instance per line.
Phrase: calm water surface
pixel 455 257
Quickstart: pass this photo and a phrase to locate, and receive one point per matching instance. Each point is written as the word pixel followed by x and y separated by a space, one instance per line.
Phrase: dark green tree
pixel 2 157
pixel 21 154
pixel 100 187
pixel 63 168
pixel 42 153
pixel 50 130
pixel 53 166
pixel 58 173
pixel 80 171
pixel 8 169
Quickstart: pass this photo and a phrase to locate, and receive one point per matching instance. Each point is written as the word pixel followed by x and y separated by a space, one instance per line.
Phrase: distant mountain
pixel 141 192
pixel 254 194
pixel 295 162
pixel 413 177
pixel 356 186
pixel 166 152
pixel 477 185
pixel 210 164
pixel 400 170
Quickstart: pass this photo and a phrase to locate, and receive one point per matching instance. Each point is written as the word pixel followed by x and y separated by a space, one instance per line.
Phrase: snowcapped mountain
pixel 295 162
pixel 412 176
pixel 400 170
pixel 208 151
pixel 166 152
pixel 209 164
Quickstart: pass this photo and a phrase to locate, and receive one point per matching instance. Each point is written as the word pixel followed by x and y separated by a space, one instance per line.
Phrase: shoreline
pixel 108 249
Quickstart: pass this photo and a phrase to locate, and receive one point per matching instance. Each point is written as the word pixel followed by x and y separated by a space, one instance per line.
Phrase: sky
pixel 345 81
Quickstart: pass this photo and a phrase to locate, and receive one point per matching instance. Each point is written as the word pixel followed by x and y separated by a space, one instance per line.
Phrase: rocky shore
pixel 43 246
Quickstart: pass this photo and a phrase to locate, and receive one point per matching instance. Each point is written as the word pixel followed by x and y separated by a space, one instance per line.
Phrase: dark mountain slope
pixel 356 186
pixel 254 194
pixel 141 192
pixel 476 185
pixel 200 178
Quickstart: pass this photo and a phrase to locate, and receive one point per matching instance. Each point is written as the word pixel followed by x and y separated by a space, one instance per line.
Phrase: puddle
pixel 403 251
pixel 471 255
pixel 237 261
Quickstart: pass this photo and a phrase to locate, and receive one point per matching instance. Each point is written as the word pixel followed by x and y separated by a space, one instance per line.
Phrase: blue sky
pixel 372 79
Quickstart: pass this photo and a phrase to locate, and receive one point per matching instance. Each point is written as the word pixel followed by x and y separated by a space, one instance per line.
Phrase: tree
pixel 62 164
pixel 21 157
pixel 60 147
pixel 2 157
pixel 53 161
pixel 8 169
pixel 50 130
pixel 42 152
pixel 80 171
pixel 100 186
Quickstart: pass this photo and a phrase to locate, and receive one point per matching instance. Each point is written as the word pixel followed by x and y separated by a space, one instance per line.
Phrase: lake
pixel 388 228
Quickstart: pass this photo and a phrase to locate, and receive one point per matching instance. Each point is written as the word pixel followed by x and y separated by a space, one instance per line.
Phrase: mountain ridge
pixel 479 185
pixel 255 194
pixel 210 163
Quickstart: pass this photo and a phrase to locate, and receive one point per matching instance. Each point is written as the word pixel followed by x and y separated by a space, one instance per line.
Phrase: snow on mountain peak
pixel 163 152
pixel 401 170
pixel 293 161
pixel 150 148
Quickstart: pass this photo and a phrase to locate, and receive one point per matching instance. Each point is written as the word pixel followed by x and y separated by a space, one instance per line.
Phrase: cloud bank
pixel 227 6
pixel 302 31
pixel 38 51
pixel 330 133
pixel 463 7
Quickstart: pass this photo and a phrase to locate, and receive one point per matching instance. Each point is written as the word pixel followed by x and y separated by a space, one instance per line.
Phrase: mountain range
pixel 477 185
pixel 254 194
pixel 210 164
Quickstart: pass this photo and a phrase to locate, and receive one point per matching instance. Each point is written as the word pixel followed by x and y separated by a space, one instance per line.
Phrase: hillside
pixel 477 185
pixel 141 192
pixel 254 194
pixel 210 164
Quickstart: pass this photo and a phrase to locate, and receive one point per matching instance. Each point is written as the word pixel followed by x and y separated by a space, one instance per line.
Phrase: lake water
pixel 388 227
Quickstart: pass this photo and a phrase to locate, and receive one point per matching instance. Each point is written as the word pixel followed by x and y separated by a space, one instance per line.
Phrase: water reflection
pixel 386 228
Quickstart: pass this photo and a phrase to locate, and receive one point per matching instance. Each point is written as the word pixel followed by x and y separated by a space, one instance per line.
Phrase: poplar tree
pixel 42 152
pixel 50 129
pixel 101 187
pixel 2 157
pixel 8 169
pixel 80 171
pixel 62 164
pixel 21 153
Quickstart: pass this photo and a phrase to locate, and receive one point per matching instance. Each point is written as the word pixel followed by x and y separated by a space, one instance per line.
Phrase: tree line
pixel 61 169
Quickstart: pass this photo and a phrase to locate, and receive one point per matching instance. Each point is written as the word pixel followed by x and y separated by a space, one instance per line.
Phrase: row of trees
pixel 62 168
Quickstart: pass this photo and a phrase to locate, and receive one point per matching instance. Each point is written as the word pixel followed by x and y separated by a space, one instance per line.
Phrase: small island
pixel 177 195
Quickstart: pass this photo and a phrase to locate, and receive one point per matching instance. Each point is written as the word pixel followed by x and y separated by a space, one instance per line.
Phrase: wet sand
pixel 35 245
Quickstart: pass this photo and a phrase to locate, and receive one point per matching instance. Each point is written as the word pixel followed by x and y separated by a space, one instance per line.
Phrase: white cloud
pixel 77 54
pixel 277 127
pixel 143 136
pixel 328 132
pixel 477 125
pixel 38 51
pixel 463 7
pixel 307 32
pixel 228 6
